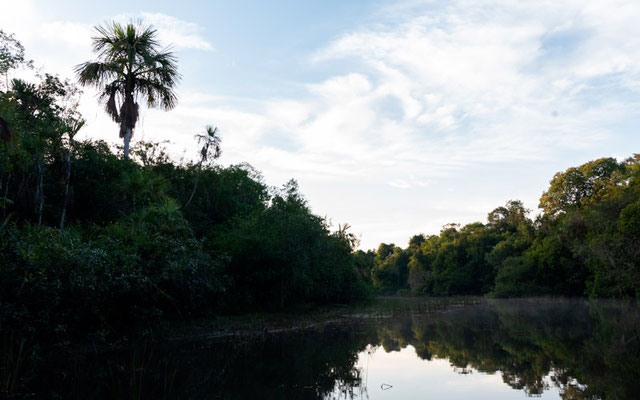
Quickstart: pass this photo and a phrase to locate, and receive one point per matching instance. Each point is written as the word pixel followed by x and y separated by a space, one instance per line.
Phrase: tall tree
pixel 581 186
pixel 72 129
pixel 11 55
pixel 130 63
pixel 209 152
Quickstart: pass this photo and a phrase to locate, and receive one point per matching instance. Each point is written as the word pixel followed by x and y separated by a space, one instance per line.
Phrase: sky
pixel 396 117
pixel 403 375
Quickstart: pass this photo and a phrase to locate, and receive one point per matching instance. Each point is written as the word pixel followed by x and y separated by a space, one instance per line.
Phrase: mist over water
pixel 405 348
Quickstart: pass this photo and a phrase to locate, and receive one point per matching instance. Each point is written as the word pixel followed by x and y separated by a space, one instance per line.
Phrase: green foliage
pixel 364 263
pixel 581 186
pixel 128 254
pixel 283 254
pixel 224 195
pixel 587 241
pixel 453 262
pixel 39 118
pixel 390 271
pixel 98 193
pixel 11 55
pixel 629 220
pixel 517 277
pixel 132 257
pixel 126 276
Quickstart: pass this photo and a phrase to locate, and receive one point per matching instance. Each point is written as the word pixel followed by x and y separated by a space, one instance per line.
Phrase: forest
pixel 98 241
pixel 585 242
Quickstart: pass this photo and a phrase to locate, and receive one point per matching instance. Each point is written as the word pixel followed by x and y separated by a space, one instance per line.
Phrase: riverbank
pixel 264 323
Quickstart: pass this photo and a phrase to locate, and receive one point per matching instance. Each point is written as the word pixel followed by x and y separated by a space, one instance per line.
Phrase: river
pixel 394 349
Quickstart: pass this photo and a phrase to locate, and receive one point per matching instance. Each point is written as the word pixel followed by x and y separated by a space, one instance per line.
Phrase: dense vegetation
pixel 586 241
pixel 95 244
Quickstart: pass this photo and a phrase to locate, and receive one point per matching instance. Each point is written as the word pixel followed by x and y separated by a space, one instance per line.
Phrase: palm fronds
pixel 130 62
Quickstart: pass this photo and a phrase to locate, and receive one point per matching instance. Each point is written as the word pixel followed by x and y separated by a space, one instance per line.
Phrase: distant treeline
pixel 586 241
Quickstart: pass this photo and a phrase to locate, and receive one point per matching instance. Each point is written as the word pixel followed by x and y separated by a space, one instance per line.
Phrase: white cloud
pixel 476 80
pixel 447 92
pixel 178 33
pixel 430 96
pixel 172 31
pixel 77 35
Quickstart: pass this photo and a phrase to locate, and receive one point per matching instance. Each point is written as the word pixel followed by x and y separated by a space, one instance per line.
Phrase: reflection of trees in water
pixel 312 364
pixel 587 350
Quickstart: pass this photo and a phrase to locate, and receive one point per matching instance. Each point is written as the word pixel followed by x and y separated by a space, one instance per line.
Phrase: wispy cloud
pixel 473 81
pixel 59 45
pixel 427 96
pixel 179 33
pixel 172 31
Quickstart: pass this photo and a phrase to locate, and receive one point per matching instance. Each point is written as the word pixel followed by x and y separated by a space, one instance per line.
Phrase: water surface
pixel 415 349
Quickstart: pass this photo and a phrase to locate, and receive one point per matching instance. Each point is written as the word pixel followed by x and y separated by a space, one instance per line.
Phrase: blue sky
pixel 394 116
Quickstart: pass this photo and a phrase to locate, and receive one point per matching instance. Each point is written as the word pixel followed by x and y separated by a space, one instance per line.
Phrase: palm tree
pixel 210 151
pixel 129 64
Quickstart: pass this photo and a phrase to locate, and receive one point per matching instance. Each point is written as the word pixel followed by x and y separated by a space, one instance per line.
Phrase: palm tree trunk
pixel 127 139
pixel 195 185
pixel 67 180
pixel 40 193
pixel 6 192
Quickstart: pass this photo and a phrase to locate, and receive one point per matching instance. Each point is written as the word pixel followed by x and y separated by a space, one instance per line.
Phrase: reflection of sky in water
pixel 414 378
